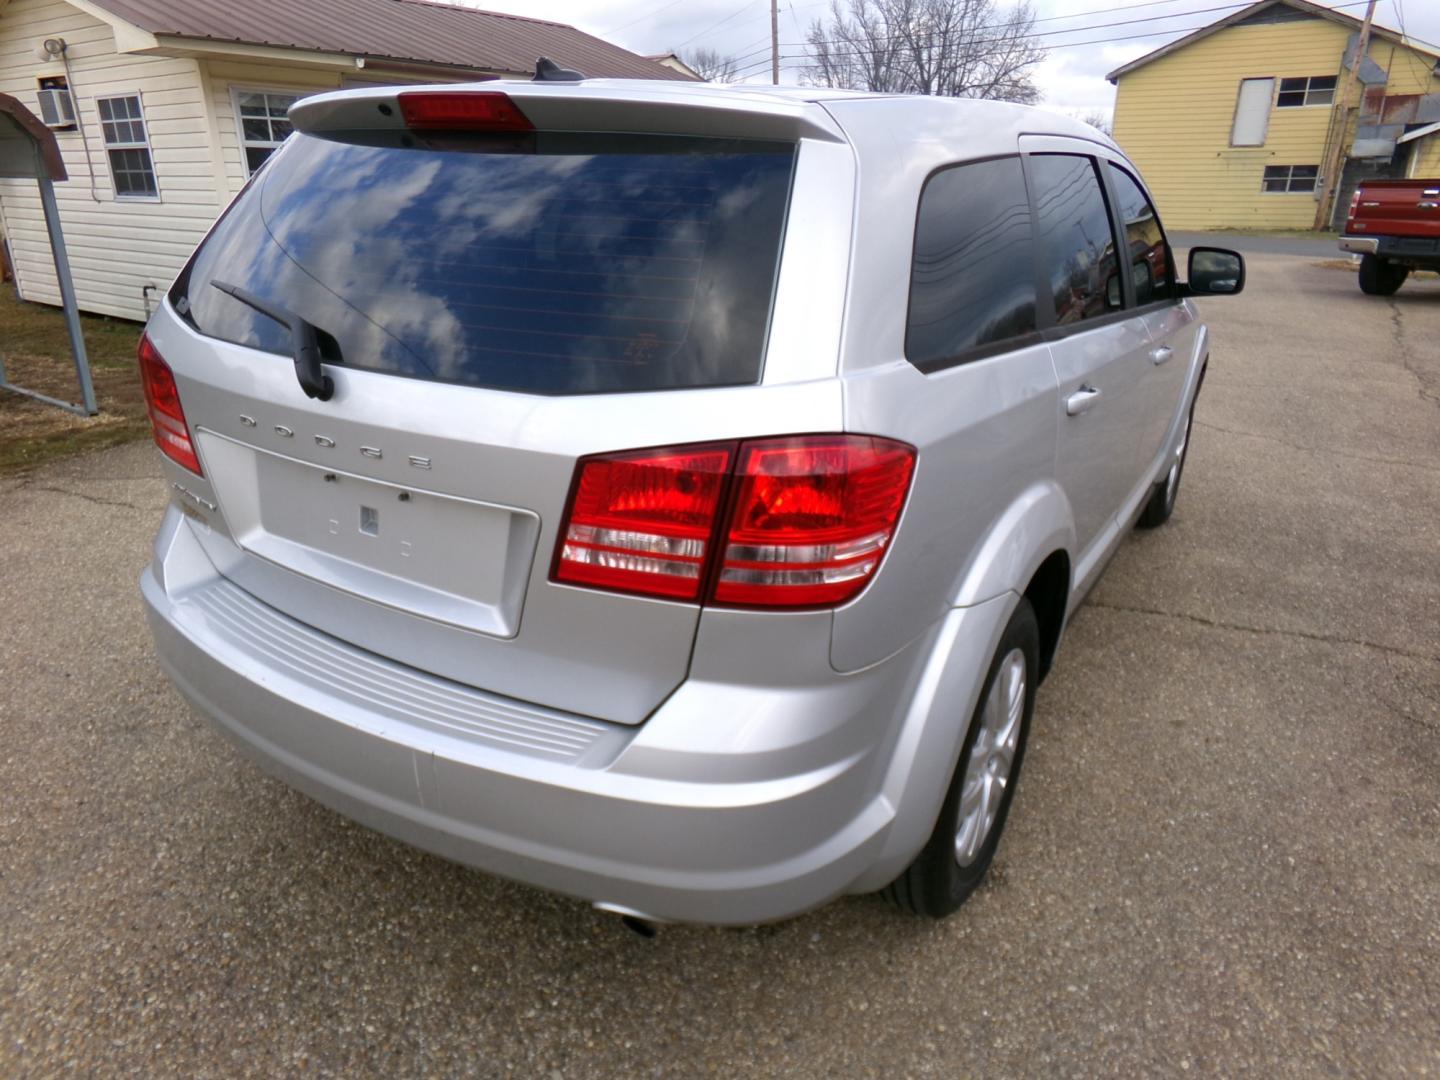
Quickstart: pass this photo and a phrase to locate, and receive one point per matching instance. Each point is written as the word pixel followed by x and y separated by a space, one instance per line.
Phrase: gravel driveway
pixel 1225 854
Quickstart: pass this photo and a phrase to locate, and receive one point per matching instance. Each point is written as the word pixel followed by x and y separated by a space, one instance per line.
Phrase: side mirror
pixel 1215 272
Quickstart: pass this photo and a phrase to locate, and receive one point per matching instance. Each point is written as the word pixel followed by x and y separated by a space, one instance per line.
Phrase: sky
pixel 1071 79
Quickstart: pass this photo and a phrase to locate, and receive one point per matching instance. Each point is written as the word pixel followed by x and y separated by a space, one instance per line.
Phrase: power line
pixel 1050 33
pixel 641 18
pixel 1062 45
pixel 719 24
pixel 1047 19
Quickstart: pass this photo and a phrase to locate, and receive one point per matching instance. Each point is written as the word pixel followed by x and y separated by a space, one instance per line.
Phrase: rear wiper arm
pixel 304 337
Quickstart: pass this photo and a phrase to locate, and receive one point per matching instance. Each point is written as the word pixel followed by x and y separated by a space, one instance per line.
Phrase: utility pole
pixel 775 40
pixel 1336 157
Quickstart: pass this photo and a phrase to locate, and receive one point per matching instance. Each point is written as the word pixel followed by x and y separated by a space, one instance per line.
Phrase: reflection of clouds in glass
pixel 588 272
pixel 512 198
pixel 738 200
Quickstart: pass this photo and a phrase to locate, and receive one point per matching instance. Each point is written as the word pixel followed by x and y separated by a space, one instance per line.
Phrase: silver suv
pixel 666 495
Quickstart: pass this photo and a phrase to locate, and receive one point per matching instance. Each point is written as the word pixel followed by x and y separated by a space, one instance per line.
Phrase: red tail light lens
pixel 643 522
pixel 810 521
pixel 485 110
pixel 167 419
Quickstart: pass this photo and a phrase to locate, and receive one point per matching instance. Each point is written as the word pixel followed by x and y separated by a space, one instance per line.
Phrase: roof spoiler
pixel 639 107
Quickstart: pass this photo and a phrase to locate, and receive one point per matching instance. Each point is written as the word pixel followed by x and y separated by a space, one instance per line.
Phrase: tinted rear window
pixel 972 282
pixel 560 264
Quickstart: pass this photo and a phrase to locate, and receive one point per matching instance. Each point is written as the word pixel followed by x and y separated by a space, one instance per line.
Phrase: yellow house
pixel 1232 123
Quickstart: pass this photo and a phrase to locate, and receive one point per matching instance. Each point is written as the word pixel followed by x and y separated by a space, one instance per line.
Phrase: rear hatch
pixel 1399 208
pixel 492 304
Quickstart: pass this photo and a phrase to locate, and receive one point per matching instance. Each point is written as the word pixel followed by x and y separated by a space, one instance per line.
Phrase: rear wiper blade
pixel 304 336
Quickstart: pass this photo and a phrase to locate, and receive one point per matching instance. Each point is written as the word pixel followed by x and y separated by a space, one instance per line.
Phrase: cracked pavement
pixel 1223 857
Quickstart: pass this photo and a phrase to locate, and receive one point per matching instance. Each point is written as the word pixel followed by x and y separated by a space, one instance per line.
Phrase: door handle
pixel 1081 400
pixel 1161 354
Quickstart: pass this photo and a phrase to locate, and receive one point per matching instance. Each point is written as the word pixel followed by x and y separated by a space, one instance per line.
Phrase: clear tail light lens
pixel 808 521
pixel 812 518
pixel 643 522
pixel 167 418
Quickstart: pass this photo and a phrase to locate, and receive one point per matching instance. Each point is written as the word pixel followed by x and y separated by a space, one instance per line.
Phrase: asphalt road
pixel 1319 247
pixel 1224 856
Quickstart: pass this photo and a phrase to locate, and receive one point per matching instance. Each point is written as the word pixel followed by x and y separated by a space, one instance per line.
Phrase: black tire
pixel 1162 497
pixel 1380 277
pixel 935 884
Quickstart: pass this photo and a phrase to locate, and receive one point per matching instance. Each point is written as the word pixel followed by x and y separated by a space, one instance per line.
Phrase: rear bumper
pixel 1360 245
pixel 823 790
pixel 1422 251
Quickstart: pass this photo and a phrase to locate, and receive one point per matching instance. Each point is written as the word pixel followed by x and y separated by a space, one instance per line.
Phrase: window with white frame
pixel 1315 90
pixel 127 145
pixel 1252 112
pixel 1290 179
pixel 263 123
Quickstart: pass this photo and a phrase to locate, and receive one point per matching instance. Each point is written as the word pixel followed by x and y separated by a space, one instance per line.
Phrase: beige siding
pixel 1173 117
pixel 221 77
pixel 116 247
pixel 1426 162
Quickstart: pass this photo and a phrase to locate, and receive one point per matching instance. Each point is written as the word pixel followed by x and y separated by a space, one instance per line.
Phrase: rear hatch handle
pixel 305 338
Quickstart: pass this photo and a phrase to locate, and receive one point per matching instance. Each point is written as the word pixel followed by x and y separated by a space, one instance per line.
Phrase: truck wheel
pixel 1380 277
pixel 960 850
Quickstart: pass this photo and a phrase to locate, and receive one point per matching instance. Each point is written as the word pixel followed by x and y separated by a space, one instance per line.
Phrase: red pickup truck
pixel 1394 225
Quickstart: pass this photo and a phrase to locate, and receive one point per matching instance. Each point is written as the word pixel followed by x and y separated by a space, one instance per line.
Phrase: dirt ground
pixel 35 351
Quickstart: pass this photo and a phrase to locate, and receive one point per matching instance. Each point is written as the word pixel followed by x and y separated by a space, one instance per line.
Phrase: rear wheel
pixel 1380 277
pixel 960 850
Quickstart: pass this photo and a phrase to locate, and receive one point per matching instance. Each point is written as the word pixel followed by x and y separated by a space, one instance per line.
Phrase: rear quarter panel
pixel 985 430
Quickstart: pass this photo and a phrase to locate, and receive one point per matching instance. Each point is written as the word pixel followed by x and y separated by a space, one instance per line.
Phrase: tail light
pixel 643 522
pixel 167 418
pixel 802 521
pixel 485 110
pixel 1354 204
pixel 812 519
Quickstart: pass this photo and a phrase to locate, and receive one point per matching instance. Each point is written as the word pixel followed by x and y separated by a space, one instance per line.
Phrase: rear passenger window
pixel 1144 239
pixel 972 282
pixel 1077 242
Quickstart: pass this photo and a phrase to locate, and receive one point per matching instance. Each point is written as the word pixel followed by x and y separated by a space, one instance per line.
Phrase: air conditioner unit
pixel 57 108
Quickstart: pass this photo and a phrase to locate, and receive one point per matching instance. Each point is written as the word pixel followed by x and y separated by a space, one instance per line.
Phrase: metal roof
pixel 411 31
pixel 21 135
pixel 1303 7
pixel 1419 133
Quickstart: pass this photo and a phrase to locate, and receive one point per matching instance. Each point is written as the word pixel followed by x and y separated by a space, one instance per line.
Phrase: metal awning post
pixel 67 295
pixel 28 151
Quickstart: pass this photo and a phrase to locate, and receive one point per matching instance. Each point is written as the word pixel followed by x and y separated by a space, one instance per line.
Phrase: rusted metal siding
pixel 403 30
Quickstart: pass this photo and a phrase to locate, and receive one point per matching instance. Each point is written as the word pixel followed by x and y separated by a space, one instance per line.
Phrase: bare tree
pixel 1096 119
pixel 952 48
pixel 712 65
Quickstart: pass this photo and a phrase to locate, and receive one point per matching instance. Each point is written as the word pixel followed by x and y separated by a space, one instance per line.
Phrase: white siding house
pixel 174 109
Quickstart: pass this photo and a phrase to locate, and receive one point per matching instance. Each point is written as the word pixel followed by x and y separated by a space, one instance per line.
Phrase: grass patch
pixel 36 350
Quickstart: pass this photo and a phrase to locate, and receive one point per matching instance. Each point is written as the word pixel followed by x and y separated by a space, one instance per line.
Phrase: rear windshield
pixel 555 264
